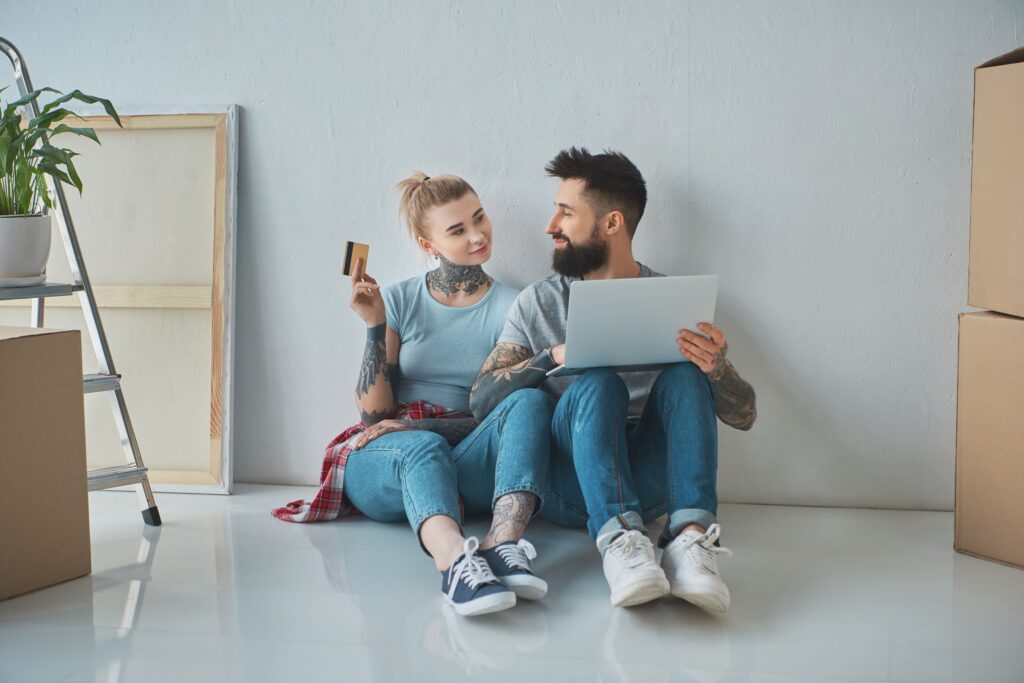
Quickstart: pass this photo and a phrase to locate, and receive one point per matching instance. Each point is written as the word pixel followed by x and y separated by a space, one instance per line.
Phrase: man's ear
pixel 615 223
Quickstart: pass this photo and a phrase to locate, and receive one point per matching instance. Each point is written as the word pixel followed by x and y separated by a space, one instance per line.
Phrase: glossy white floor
pixel 225 592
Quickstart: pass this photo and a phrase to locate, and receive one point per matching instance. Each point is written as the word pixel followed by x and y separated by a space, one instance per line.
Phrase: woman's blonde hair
pixel 421 193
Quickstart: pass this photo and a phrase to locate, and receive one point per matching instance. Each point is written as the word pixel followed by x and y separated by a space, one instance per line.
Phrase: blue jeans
pixel 509 451
pixel 403 475
pixel 415 475
pixel 608 472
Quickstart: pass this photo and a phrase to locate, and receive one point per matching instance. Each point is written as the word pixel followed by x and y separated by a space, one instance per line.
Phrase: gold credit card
pixel 353 252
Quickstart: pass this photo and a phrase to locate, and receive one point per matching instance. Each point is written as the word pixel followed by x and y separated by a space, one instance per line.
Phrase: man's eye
pixel 566 214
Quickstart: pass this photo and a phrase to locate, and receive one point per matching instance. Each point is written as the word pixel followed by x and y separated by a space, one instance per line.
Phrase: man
pixel 631 446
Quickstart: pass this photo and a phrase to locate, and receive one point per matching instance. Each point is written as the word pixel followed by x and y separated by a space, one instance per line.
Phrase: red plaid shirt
pixel 330 501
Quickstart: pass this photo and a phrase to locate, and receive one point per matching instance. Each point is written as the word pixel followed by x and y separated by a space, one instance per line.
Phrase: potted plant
pixel 27 156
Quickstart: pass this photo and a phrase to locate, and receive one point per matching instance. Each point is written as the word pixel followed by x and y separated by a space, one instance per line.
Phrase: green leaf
pixel 44 120
pixel 26 99
pixel 85 132
pixel 88 99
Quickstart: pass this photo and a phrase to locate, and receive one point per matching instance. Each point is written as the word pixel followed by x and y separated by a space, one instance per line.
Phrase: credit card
pixel 353 252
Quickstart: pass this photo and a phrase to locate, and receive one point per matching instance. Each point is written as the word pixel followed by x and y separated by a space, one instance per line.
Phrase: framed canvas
pixel 156 223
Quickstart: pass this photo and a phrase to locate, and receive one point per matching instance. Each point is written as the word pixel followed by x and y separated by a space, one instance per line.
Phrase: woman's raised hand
pixel 366 299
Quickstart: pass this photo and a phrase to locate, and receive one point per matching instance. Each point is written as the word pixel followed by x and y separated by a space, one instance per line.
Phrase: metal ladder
pixel 107 380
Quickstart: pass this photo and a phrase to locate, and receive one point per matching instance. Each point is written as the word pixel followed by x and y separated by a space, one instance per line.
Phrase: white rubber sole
pixel 708 598
pixel 494 602
pixel 640 590
pixel 525 586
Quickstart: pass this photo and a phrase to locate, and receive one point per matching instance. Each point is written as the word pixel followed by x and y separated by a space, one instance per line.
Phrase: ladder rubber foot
pixel 151 516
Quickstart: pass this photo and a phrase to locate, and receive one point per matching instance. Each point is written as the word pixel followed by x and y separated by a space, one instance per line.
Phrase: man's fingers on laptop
pixel 704 365
pixel 694 352
pixel 715 333
pixel 699 341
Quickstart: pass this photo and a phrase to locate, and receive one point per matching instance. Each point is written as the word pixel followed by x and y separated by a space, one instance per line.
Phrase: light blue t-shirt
pixel 443 347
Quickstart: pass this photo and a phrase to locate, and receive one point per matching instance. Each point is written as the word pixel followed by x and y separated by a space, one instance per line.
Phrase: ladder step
pixel 94 383
pixel 108 477
pixel 39 291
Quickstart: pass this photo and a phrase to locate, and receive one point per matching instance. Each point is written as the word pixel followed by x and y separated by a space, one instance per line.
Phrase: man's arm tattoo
pixel 512 513
pixel 374 364
pixel 453 429
pixel 509 367
pixel 735 402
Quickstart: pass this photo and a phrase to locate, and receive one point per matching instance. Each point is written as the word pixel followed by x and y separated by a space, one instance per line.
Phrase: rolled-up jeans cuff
pixel 439 513
pixel 627 521
pixel 680 519
pixel 522 488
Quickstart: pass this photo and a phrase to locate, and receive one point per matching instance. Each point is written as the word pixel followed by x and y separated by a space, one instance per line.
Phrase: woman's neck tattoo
pixel 449 278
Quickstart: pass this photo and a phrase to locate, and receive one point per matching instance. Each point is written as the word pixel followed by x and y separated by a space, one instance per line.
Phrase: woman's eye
pixel 458 232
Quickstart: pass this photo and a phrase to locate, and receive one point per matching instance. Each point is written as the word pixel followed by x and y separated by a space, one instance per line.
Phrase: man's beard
pixel 577 260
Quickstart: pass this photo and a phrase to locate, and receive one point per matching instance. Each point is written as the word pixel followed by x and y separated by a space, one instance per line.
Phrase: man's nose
pixel 553 226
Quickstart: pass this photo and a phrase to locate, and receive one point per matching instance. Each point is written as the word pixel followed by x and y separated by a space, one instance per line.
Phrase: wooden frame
pixel 218 298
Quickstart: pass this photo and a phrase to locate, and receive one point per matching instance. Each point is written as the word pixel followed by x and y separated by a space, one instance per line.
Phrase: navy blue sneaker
pixel 512 564
pixel 470 587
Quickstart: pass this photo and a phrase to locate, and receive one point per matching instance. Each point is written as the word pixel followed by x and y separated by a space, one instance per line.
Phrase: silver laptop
pixel 632 323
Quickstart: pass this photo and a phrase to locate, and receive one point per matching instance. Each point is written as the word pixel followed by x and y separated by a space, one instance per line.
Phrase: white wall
pixel 815 154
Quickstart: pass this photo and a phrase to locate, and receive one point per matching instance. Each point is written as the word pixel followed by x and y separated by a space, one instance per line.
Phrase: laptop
pixel 631 324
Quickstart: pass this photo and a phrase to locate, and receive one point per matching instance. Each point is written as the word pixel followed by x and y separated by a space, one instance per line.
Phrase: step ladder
pixel 107 380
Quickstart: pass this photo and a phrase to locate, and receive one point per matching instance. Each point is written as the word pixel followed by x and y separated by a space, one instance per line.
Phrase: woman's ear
pixel 426 246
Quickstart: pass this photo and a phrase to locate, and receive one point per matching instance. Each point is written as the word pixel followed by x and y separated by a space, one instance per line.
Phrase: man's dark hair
pixel 611 182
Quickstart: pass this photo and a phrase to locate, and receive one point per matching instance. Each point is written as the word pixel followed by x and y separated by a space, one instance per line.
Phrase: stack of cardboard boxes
pixel 990 383
pixel 44 502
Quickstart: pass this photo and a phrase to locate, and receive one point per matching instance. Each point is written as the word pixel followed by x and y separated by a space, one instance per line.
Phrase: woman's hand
pixel 366 300
pixel 380 429
pixel 707 353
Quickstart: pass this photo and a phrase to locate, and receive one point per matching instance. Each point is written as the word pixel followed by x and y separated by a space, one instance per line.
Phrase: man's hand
pixel 380 429
pixel 558 354
pixel 707 352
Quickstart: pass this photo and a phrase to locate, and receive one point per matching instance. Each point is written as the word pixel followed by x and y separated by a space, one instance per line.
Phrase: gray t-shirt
pixel 536 321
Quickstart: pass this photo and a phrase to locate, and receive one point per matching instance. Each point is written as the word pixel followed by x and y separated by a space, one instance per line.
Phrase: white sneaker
pixel 629 567
pixel 690 562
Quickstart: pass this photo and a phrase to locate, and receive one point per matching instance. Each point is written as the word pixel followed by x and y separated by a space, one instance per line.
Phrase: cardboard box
pixel 990 438
pixel 995 279
pixel 44 501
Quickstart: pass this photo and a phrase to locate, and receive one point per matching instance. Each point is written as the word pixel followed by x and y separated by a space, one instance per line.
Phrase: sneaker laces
pixel 626 546
pixel 471 569
pixel 519 555
pixel 703 550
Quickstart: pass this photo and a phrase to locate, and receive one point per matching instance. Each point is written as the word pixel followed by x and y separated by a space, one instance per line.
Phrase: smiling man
pixel 626 447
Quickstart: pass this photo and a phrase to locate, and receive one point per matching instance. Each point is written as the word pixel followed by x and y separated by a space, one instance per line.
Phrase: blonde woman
pixel 426 340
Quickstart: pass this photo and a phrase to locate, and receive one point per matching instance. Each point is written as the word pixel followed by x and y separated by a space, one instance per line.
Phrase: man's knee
pixel 531 402
pixel 600 382
pixel 682 376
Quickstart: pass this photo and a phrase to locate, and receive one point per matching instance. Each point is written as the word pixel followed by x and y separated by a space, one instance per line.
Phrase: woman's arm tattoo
pixel 735 402
pixel 453 429
pixel 509 367
pixel 374 364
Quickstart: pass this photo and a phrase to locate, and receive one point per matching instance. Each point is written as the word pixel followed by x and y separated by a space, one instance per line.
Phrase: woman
pixel 426 340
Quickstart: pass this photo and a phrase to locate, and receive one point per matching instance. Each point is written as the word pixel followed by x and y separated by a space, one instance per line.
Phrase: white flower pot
pixel 24 250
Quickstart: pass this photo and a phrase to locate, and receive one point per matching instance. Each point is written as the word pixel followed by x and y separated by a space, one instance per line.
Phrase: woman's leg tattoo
pixel 512 512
